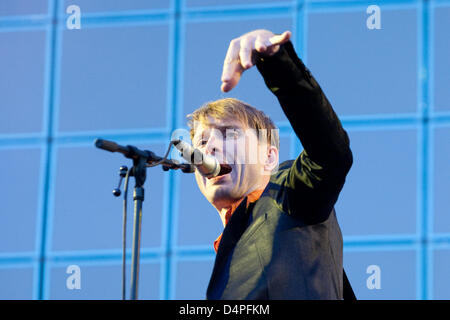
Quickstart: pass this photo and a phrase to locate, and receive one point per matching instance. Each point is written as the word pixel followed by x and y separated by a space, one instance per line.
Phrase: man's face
pixel 233 143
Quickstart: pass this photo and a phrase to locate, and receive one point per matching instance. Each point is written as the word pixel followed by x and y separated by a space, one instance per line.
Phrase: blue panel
pixel 19 188
pixel 379 196
pixel 397 274
pixel 116 5
pixel 22 7
pixel 441 185
pixel 87 215
pixel 203 65
pixel 441 62
pixel 17 283
pixel 204 3
pixel 114 78
pixel 22 66
pixel 192 279
pixel 103 282
pixel 441 280
pixel 365 71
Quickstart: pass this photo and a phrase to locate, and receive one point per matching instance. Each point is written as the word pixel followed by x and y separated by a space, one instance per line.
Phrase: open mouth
pixel 224 170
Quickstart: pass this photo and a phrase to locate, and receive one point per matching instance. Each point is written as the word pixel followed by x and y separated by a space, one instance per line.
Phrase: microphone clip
pixel 122 174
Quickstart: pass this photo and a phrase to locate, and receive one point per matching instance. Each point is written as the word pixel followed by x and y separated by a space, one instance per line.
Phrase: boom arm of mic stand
pixel 135 153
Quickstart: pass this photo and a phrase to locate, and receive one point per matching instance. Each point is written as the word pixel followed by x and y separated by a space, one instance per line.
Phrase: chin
pixel 220 194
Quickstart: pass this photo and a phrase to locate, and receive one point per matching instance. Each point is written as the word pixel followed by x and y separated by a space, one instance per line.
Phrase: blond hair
pixel 231 108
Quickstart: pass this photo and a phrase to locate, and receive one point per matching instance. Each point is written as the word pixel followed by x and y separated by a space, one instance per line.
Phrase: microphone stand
pixel 141 160
pixel 139 172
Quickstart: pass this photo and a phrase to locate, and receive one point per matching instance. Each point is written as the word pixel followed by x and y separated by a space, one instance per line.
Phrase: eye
pixel 232 134
pixel 201 143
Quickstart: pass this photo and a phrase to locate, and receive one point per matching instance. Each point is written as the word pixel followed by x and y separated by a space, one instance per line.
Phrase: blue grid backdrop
pixel 61 88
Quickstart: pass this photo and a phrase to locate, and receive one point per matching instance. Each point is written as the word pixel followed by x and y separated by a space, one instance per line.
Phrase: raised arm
pixel 318 174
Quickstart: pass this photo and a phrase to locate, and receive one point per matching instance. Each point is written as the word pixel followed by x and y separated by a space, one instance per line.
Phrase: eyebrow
pixel 231 126
pixel 220 128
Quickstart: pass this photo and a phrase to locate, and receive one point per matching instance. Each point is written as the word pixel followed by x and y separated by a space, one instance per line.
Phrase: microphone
pixel 208 166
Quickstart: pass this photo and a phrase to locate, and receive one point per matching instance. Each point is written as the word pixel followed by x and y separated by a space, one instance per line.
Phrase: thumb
pixel 280 39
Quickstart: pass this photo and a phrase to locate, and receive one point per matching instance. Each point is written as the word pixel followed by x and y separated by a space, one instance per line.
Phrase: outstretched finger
pixel 233 80
pixel 231 60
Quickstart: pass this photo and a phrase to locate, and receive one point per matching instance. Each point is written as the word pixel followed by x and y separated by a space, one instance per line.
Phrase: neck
pixel 226 210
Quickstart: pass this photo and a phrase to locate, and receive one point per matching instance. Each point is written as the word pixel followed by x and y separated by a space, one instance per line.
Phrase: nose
pixel 211 145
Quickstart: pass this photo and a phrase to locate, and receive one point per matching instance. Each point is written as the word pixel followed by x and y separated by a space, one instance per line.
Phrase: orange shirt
pixel 251 197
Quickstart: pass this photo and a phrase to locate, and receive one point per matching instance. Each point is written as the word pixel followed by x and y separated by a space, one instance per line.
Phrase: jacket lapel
pixel 243 223
pixel 230 236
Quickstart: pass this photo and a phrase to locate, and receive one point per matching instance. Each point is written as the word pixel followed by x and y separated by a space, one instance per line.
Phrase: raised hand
pixel 243 50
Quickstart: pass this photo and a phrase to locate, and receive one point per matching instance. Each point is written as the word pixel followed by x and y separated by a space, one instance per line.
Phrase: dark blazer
pixel 288 244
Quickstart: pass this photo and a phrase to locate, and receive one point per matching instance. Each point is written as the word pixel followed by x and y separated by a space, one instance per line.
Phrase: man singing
pixel 281 238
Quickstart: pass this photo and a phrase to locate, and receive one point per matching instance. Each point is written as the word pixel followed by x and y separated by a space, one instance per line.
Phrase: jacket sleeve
pixel 316 177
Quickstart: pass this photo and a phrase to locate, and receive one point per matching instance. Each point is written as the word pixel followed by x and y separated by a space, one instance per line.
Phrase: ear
pixel 272 159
